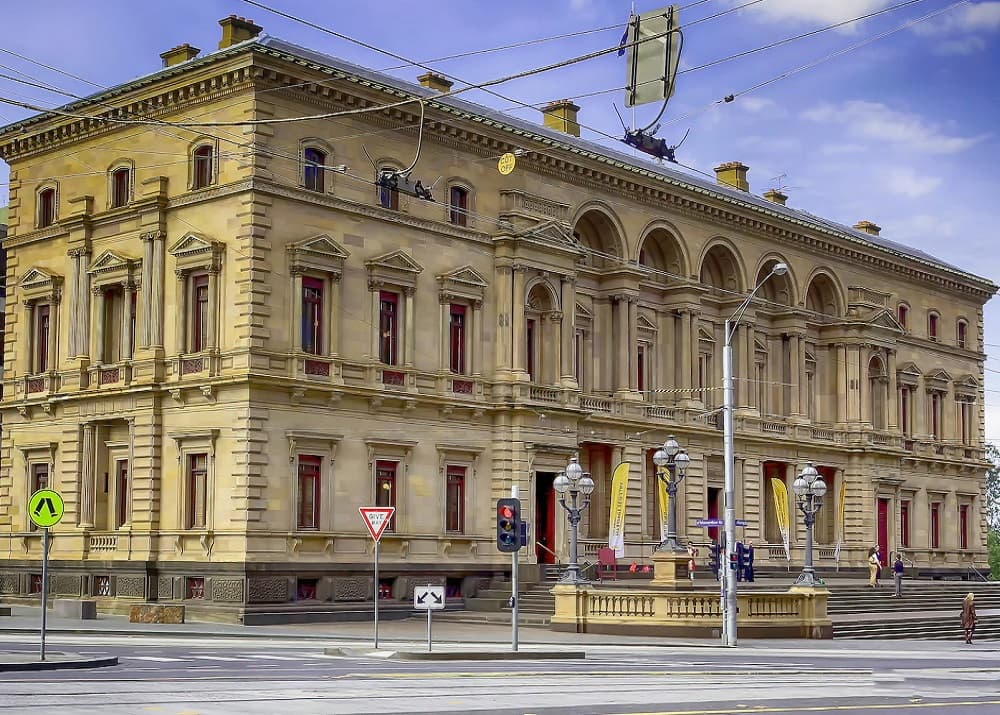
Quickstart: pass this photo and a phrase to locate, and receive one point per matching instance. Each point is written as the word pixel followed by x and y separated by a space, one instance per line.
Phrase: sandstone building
pixel 221 341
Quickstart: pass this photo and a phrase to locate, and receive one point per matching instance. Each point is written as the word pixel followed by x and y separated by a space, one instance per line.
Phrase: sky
pixel 903 130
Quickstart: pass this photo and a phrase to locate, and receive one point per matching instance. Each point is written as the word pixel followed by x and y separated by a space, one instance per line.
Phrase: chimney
pixel 435 81
pixel 733 173
pixel 561 116
pixel 181 53
pixel 775 196
pixel 237 29
pixel 868 227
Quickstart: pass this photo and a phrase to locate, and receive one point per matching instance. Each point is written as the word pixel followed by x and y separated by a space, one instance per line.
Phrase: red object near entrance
pixel 883 531
pixel 545 518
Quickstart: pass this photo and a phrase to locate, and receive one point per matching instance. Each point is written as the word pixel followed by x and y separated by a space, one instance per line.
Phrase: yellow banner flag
pixel 781 510
pixel 843 508
pixel 664 499
pixel 619 490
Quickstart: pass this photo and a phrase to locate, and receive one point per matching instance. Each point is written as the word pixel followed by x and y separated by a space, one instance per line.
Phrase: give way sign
pixel 376 518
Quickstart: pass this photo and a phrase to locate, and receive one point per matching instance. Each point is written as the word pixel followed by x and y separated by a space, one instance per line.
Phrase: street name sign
pixel 428 598
pixel 376 518
pixel 46 508
pixel 711 523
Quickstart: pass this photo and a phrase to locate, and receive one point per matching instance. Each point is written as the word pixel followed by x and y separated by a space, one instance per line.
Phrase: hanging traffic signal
pixel 508 525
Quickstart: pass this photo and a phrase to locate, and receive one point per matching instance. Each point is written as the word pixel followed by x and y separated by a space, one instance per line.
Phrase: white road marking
pixel 222 658
pixel 155 659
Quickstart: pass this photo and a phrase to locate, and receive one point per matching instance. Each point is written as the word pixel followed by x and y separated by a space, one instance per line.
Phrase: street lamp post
pixel 729 622
pixel 809 489
pixel 671 467
pixel 578 486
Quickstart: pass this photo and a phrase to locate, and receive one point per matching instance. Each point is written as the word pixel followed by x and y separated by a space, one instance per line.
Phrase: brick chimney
pixel 868 227
pixel 237 29
pixel 435 81
pixel 181 53
pixel 561 116
pixel 775 196
pixel 733 173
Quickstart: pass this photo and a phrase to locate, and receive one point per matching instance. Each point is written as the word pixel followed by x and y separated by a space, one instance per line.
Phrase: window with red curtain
pixel 202 167
pixel 42 327
pixel 312 316
pixel 46 207
pixel 458 206
pixel 455 500
pixel 388 325
pixel 385 487
pixel 199 333
pixel 932 326
pixel 197 483
pixel 309 492
pixel 456 338
pixel 121 181
pixel 904 524
pixel 121 493
pixel 903 313
pixel 963 526
pixel 935 525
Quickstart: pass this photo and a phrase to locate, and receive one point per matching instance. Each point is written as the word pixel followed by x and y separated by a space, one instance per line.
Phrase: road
pixel 215 675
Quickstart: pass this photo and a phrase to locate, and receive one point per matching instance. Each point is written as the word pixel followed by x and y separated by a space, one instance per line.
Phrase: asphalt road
pixel 239 676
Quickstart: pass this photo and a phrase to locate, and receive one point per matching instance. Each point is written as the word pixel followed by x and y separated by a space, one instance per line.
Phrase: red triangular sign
pixel 376 518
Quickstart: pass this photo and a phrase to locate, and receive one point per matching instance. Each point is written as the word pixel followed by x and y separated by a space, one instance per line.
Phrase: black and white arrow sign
pixel 428 598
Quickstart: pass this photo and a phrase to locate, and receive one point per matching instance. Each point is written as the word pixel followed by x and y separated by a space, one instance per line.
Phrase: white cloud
pixel 874 120
pixel 824 12
pixel 756 105
pixel 965 46
pixel 903 181
pixel 972 17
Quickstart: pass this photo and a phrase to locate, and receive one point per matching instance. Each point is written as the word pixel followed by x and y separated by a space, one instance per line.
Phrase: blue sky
pixel 904 132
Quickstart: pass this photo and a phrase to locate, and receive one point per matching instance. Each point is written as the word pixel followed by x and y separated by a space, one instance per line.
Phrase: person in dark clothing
pixel 748 572
pixel 969 617
pixel 715 553
pixel 897 575
pixel 740 560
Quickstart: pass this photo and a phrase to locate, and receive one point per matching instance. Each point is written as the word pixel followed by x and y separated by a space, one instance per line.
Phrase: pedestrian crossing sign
pixel 46 508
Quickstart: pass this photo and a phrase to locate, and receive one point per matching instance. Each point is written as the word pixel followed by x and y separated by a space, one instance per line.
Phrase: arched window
pixel 388 197
pixel 46 207
pixel 962 333
pixel 203 169
pixel 932 325
pixel 121 186
pixel 458 206
pixel 314 171
pixel 903 314
pixel 878 383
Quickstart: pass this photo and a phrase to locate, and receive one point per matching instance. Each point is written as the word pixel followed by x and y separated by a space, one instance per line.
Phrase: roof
pixel 530 130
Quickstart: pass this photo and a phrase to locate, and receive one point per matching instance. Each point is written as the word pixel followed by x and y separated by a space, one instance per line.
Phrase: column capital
pixel 375 284
pixel 152 235
pixel 409 291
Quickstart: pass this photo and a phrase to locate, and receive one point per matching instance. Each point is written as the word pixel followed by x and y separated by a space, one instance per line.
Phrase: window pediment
pixel 885 319
pixel 111 266
pixel 583 314
pixel 465 282
pixel 645 324
pixel 195 251
pixel 967 386
pixel 938 380
pixel 39 283
pixel 705 336
pixel 395 267
pixel 319 253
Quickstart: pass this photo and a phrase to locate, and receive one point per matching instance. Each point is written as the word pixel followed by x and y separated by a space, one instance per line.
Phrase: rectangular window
pixel 202 167
pixel 312 316
pixel 46 208
pixel 936 415
pixel 965 423
pixel 932 326
pixel 935 525
pixel 903 313
pixel 114 300
pixel 121 493
pixel 388 197
pixel 42 327
pixel 199 334
pixel 385 487
pixel 963 526
pixel 530 345
pixel 640 359
pixel 120 184
pixel 904 410
pixel 132 312
pixel 455 500
pixel 962 333
pixel 197 484
pixel 39 477
pixel 578 358
pixel 313 174
pixel 456 339
pixel 458 206
pixel 388 325
pixel 309 492
pixel 904 524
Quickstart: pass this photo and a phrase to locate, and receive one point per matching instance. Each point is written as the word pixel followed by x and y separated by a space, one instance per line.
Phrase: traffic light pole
pixel 45 585
pixel 514 493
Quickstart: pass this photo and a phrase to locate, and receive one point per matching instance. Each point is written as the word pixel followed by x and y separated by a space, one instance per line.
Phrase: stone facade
pixel 218 359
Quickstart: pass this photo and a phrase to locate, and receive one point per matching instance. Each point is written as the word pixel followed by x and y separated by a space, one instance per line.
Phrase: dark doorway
pixel 714 510
pixel 883 531
pixel 545 518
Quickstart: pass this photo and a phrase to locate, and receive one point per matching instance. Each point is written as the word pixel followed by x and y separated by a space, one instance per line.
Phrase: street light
pixel 809 489
pixel 729 618
pixel 579 486
pixel 671 467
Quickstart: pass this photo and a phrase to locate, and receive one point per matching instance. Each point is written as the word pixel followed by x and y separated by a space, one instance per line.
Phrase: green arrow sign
pixel 46 508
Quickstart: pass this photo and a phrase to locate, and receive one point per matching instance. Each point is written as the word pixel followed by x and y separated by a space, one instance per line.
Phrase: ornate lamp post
pixel 578 485
pixel 671 467
pixel 809 489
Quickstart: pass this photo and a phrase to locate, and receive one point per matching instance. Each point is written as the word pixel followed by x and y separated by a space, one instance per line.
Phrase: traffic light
pixel 508 525
pixel 732 561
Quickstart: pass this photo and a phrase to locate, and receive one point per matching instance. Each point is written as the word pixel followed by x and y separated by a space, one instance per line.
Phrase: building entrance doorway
pixel 714 511
pixel 545 518
pixel 883 531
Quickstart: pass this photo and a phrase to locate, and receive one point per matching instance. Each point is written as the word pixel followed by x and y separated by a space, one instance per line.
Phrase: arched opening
pixel 541 338
pixel 721 270
pixel 599 237
pixel 202 170
pixel 822 296
pixel 314 169
pixel 775 288
pixel 662 252
pixel 878 389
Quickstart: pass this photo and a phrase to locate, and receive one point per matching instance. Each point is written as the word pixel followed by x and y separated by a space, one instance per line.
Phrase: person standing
pixel 969 616
pixel 749 562
pixel 872 567
pixel 740 560
pixel 692 553
pixel 897 575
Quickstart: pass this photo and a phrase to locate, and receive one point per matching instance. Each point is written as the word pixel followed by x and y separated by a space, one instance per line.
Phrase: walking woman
pixel 872 567
pixel 969 616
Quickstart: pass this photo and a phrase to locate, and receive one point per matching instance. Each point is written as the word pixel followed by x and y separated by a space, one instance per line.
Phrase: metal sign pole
pixel 376 594
pixel 515 493
pixel 429 627
pixel 45 584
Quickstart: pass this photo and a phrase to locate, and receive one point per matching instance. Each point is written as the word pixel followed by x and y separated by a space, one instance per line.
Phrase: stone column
pixel 182 306
pixel 74 303
pixel 88 465
pixel 864 383
pixel 375 287
pixel 505 309
pixel 476 346
pixel 333 320
pixel 212 339
pixel 30 336
pixel 841 353
pixel 633 343
pixel 686 372
pixel 126 335
pixel 555 320
pixel 97 347
pixel 621 337
pixel 156 308
pixel 921 420
pixel 444 344
pixel 146 291
pixel 795 372
pixel 802 381
pixel 567 373
pixel 949 523
pixel 296 300
pixel 410 326
pixel 691 349
pixel 794 523
pixel 920 521
pixel 519 326
pixel 83 305
pixel 892 399
pixel 751 367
